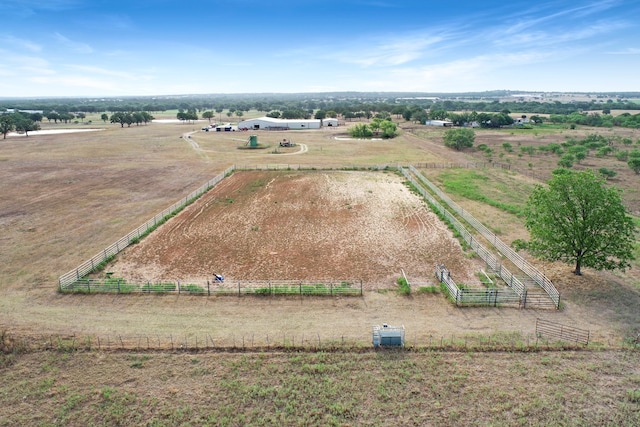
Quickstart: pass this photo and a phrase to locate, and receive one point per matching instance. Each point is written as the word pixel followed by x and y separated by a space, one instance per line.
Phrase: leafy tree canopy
pixel 6 124
pixel 459 138
pixel 578 219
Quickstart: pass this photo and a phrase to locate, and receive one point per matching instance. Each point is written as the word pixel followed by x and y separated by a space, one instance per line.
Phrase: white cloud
pixel 20 44
pixel 102 71
pixel 627 51
pixel 33 64
pixel 78 47
pixel 392 53
pixel 75 81
pixel 448 75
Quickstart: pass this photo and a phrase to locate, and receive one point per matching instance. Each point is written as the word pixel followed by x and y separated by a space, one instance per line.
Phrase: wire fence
pixel 538 277
pixel 306 341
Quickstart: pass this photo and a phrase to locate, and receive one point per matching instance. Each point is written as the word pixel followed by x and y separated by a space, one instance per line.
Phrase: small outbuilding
pixel 388 336
pixel 330 122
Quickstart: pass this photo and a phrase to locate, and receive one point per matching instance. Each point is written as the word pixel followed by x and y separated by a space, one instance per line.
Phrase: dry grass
pixel 65 197
pixel 353 388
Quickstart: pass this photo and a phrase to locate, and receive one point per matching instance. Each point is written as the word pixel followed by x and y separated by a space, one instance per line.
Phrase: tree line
pixel 129 118
pixel 352 105
pixel 341 102
pixel 20 122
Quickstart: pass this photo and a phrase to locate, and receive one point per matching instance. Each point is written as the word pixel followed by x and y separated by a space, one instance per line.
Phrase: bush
pixel 607 173
pixel 403 285
pixel 622 156
pixel 360 131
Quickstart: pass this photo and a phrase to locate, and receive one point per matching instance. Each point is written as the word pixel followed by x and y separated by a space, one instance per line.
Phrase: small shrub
pixel 403 285
pixel 607 173
pixel 622 156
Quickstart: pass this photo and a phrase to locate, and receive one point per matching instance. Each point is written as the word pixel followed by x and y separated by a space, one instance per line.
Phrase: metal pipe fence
pixel 510 279
pixel 478 297
pixel 66 280
pixel 538 277
pixel 311 167
pixel 213 288
pixel 563 333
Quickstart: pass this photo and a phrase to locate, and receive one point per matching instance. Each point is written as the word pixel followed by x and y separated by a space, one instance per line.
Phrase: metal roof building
pixel 269 123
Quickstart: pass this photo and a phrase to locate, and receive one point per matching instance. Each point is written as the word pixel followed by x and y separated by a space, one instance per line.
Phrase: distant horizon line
pixel 495 92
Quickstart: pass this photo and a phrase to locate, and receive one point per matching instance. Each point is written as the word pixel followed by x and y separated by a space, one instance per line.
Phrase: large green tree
pixel 208 115
pixel 459 138
pixel 6 124
pixel 579 219
pixel 24 124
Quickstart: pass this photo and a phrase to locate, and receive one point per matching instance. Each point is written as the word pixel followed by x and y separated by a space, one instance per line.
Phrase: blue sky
pixel 118 48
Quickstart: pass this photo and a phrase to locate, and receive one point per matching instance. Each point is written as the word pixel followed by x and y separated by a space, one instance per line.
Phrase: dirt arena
pixel 338 225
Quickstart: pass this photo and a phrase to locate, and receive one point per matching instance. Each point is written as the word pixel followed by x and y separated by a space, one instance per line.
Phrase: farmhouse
pixel 519 121
pixel 269 123
pixel 445 123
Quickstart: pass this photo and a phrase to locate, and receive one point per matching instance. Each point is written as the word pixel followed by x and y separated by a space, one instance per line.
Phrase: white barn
pixel 444 123
pixel 269 123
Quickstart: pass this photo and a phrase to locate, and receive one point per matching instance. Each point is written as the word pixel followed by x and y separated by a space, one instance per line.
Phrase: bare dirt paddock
pixel 300 226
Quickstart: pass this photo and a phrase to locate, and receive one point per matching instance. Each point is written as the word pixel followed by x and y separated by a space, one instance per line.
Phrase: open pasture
pixel 65 197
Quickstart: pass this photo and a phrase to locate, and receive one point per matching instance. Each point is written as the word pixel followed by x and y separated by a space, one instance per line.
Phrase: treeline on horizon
pixel 348 104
